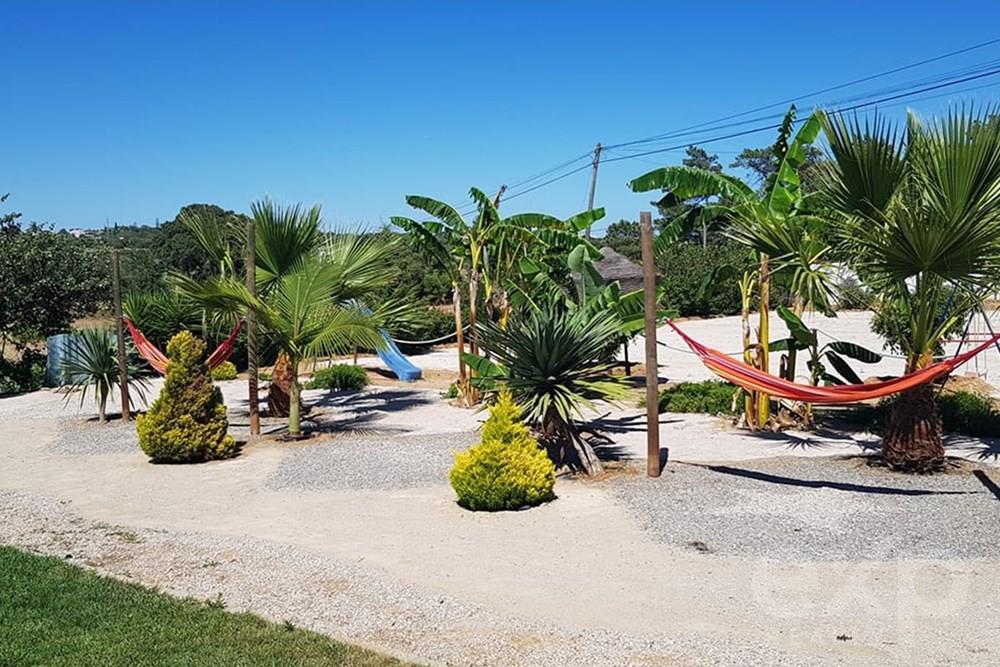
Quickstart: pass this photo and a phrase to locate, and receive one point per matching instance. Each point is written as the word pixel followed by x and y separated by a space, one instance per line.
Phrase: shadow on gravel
pixel 981 448
pixel 822 484
pixel 818 439
pixel 985 480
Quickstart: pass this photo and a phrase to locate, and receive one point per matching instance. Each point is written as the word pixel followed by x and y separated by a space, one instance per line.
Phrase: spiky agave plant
pixel 92 361
pixel 555 363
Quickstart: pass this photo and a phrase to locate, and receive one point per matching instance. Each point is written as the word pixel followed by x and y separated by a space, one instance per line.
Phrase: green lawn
pixel 52 613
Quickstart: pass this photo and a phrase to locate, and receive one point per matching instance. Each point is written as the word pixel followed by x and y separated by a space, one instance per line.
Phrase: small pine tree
pixel 507 470
pixel 187 422
pixel 504 424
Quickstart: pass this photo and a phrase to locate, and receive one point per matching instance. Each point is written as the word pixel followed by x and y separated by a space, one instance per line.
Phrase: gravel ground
pixel 346 600
pixel 78 437
pixel 371 462
pixel 798 509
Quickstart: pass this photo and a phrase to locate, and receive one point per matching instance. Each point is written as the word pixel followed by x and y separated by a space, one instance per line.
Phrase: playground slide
pixel 397 362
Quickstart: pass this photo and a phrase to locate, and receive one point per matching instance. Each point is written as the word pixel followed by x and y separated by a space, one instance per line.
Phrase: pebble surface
pixel 826 509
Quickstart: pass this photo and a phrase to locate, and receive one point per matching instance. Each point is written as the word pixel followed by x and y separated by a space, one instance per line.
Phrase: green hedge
pixel 708 397
pixel 339 377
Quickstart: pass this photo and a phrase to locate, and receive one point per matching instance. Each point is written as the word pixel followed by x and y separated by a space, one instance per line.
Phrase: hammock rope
pixel 158 360
pixel 748 377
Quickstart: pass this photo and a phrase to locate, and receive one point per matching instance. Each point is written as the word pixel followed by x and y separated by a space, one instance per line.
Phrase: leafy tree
pixel 623 237
pixel 8 221
pixel 762 165
pixel 47 279
pixel 920 213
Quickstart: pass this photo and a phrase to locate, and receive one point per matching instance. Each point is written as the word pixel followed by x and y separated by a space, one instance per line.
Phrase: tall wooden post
pixel 252 370
pixel 653 468
pixel 116 289
pixel 596 162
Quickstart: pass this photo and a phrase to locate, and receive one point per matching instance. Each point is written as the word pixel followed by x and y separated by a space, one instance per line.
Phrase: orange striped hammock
pixel 158 360
pixel 744 375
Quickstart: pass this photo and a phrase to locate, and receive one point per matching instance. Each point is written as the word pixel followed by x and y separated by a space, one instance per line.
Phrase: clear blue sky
pixel 124 112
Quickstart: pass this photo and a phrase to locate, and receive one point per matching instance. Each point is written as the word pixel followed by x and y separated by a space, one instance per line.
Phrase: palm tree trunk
pixel 749 404
pixel 102 406
pixel 913 433
pixel 456 301
pixel 279 389
pixel 763 331
pixel 567 450
pixel 294 405
pixel 473 395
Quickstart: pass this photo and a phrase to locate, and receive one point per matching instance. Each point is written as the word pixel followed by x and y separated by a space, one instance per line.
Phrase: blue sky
pixel 124 112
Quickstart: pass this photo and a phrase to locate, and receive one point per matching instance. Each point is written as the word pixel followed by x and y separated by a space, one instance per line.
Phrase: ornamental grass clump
pixel 187 422
pixel 507 470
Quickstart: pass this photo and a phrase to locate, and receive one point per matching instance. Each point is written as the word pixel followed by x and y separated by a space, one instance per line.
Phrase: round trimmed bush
pixel 224 371
pixel 187 422
pixel 339 377
pixel 507 470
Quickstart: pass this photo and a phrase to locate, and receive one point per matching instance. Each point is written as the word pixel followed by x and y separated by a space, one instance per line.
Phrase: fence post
pixel 116 288
pixel 252 371
pixel 653 467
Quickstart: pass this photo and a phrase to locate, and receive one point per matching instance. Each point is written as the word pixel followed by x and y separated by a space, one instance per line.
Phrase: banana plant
pixel 821 357
pixel 776 222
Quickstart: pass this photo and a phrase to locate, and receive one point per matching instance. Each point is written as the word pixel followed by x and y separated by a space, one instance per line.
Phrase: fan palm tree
pixel 310 289
pixel 776 222
pixel 920 213
pixel 92 361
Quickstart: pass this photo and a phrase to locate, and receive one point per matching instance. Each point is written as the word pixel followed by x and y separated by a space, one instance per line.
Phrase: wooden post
pixel 252 361
pixel 596 162
pixel 653 468
pixel 116 289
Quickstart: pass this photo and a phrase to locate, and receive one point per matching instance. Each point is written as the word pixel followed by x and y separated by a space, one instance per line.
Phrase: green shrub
pixel 426 324
pixel 969 414
pixel 708 397
pixel 451 392
pixel 24 375
pixel 685 266
pixel 507 470
pixel 963 412
pixel 224 371
pixel 339 377
pixel 187 422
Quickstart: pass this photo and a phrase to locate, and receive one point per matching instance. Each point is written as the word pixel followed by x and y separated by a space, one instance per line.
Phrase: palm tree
pixel 776 222
pixel 920 216
pixel 310 289
pixel 92 361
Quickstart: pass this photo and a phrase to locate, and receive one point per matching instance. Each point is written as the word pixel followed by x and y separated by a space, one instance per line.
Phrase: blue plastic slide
pixel 396 361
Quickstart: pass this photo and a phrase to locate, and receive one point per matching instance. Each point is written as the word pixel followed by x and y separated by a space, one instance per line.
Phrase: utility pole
pixel 116 288
pixel 593 180
pixel 251 282
pixel 653 468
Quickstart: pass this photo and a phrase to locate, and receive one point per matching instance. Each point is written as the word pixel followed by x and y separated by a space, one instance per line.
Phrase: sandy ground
pixel 583 564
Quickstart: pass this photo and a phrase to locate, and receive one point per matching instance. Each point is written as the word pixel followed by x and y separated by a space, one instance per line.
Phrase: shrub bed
pixel 709 397
pixel 339 377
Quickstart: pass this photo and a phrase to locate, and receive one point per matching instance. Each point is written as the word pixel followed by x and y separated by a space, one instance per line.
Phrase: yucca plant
pixel 920 218
pixel 555 362
pixel 92 361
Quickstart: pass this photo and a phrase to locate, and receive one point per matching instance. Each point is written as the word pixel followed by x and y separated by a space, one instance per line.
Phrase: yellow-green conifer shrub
pixel 224 371
pixel 507 470
pixel 187 422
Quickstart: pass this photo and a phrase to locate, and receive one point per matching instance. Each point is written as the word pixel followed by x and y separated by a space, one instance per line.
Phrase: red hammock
pixel 748 377
pixel 158 360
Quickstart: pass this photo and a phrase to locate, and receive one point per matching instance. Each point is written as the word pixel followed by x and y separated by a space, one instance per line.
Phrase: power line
pixel 823 91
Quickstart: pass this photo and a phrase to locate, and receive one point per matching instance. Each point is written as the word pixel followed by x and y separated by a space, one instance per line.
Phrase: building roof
pixel 615 266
